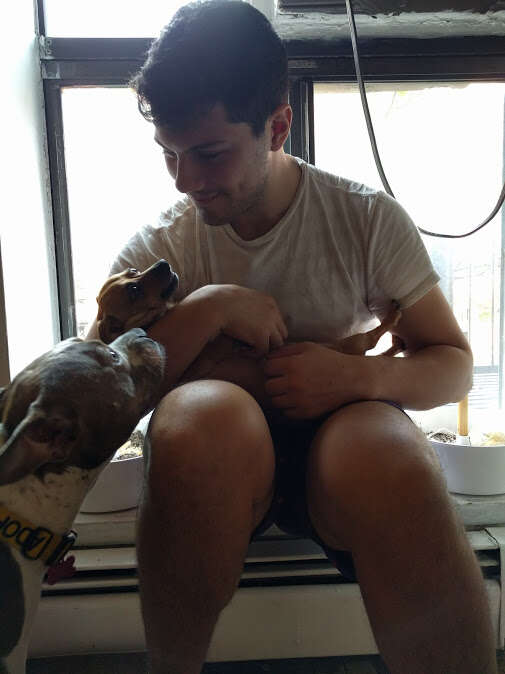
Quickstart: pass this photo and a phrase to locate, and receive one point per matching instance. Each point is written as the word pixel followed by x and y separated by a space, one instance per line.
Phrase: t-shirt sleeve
pixel 399 267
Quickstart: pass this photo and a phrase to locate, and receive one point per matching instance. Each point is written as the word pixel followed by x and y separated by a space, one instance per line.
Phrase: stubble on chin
pixel 210 218
pixel 251 198
pixel 234 208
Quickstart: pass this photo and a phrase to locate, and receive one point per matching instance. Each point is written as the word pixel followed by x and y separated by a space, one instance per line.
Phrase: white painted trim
pixel 259 623
pixel 498 534
pixel 4 347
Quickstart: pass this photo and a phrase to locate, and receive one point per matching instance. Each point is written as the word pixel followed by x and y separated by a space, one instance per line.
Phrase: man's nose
pixel 188 177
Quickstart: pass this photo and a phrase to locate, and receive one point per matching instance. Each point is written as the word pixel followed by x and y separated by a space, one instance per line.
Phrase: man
pixel 284 257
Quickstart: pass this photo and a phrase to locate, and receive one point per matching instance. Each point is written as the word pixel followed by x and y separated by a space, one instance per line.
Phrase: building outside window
pixel 442 148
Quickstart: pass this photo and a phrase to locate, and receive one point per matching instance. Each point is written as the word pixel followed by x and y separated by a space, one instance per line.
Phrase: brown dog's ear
pixel 109 328
pixel 37 440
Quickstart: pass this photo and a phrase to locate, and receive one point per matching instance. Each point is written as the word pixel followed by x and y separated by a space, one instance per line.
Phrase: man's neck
pixel 280 191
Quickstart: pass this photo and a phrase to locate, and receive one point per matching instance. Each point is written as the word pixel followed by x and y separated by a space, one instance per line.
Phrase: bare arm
pixel 307 380
pixel 438 365
pixel 243 314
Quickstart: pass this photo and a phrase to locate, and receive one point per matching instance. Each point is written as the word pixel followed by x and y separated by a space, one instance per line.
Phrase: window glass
pixel 117 182
pixel 442 149
pixel 108 18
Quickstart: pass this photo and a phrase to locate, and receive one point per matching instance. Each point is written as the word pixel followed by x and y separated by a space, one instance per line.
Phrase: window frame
pixel 69 62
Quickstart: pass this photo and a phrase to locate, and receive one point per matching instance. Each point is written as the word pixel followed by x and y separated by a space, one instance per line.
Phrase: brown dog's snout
pixel 163 269
pixel 171 287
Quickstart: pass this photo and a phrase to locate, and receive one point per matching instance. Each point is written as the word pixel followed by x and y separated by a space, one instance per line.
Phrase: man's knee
pixel 367 464
pixel 208 432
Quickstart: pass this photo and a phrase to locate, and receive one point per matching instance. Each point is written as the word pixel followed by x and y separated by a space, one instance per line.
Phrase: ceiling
pixel 327 19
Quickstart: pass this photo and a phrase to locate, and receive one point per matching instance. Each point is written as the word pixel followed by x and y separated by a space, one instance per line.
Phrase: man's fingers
pixel 275 386
pixel 273 367
pixel 276 340
pixel 286 350
pixel 282 402
pixel 262 344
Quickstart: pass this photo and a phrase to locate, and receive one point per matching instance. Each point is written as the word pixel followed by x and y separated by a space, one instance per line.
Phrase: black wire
pixel 373 142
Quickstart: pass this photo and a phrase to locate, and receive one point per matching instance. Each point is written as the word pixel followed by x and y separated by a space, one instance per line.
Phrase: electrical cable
pixel 371 134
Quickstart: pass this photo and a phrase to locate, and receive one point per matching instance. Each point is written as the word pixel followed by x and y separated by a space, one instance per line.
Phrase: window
pixel 442 148
pixel 438 111
pixel 113 18
pixel 116 180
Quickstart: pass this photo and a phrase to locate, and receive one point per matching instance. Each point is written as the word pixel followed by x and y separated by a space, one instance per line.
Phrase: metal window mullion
pixel 501 357
pixel 40 17
pixel 310 121
pixel 300 133
pixel 64 267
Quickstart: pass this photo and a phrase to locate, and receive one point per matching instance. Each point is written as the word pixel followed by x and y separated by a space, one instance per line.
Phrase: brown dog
pixel 137 299
pixel 133 299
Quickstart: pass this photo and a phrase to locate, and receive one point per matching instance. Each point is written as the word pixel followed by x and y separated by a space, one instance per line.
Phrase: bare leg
pixel 209 483
pixel 375 489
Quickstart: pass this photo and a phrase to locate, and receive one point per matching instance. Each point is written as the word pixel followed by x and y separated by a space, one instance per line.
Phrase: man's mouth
pixel 204 198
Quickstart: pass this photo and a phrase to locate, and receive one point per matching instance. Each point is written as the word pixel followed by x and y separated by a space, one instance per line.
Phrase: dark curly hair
pixel 215 51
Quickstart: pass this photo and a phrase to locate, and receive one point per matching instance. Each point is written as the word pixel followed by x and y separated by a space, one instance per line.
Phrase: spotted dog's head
pixel 76 404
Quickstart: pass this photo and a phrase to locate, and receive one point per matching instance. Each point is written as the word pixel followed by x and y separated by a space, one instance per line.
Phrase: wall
pixel 25 225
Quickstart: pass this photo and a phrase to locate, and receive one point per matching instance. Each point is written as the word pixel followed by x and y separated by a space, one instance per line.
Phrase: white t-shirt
pixel 333 263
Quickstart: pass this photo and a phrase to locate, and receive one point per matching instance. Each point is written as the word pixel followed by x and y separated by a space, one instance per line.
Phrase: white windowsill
pixel 118 528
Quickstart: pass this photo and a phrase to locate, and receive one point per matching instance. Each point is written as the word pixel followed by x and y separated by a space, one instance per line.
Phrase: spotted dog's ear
pixel 42 437
pixel 109 328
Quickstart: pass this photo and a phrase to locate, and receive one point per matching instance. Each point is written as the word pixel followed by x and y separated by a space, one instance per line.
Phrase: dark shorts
pixel 289 504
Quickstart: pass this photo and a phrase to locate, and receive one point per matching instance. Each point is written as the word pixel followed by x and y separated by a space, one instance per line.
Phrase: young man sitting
pixel 285 257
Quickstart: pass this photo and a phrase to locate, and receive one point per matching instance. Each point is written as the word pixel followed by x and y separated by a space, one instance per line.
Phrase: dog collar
pixel 33 542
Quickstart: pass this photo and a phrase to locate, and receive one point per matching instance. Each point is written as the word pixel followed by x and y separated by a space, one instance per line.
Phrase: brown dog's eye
pixel 134 291
pixel 133 272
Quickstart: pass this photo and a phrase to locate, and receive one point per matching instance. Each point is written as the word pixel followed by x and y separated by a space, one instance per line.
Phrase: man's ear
pixel 280 124
pixel 109 328
pixel 40 438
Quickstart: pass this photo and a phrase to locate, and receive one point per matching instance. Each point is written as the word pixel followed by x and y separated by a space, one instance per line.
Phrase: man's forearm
pixel 432 376
pixel 183 331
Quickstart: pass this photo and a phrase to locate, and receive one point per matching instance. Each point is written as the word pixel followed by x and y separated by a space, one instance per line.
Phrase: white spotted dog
pixel 62 419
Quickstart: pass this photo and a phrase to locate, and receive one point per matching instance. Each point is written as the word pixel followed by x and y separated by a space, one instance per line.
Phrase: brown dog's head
pixel 134 299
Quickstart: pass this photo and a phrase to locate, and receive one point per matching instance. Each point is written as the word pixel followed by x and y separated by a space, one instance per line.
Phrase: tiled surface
pixel 136 663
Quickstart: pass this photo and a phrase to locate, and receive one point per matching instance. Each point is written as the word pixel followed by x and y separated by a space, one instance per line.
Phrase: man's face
pixel 222 166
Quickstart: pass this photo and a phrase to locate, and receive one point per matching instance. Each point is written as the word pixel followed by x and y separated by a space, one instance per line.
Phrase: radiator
pixel 290 603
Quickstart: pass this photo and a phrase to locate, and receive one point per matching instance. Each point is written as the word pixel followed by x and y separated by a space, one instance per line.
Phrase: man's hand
pixel 247 315
pixel 307 380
